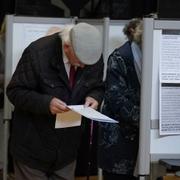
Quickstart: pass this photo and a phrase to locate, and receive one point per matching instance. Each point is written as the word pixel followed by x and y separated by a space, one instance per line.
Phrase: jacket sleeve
pixel 121 98
pixel 22 90
pixel 97 90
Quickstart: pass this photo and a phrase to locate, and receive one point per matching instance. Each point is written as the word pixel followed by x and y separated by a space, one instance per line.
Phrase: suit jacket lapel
pixel 58 64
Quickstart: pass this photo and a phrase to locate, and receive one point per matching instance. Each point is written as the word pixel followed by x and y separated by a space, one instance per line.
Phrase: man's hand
pixel 58 106
pixel 91 102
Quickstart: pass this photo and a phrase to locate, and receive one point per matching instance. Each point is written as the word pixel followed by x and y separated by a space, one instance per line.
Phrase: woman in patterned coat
pixel 118 143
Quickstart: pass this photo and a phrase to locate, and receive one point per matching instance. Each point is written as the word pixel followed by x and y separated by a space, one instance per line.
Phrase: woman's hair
pixel 65 34
pixel 133 30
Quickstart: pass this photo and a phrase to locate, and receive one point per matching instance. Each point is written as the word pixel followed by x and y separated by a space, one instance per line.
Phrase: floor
pixel 171 178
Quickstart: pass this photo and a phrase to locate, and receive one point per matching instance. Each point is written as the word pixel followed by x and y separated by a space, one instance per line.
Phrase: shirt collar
pixel 65 59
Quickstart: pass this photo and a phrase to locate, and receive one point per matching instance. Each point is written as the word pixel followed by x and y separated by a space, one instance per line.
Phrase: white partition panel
pixel 116 35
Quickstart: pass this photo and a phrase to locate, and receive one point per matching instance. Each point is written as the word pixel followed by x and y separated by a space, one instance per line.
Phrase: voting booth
pixel 160 95
pixel 160 88
pixel 21 31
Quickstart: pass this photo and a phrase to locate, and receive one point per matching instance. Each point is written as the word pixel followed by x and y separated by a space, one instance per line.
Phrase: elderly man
pixel 62 69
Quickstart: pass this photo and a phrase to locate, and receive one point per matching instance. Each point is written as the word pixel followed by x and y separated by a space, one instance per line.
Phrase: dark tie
pixel 72 74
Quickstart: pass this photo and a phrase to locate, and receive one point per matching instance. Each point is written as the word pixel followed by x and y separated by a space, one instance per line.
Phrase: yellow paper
pixel 68 119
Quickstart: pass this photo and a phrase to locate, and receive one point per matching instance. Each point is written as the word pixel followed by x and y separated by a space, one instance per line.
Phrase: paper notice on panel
pixel 170 109
pixel 170 56
pixel 169 102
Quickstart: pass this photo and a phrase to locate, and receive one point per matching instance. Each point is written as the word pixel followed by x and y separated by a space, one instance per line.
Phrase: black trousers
pixel 111 176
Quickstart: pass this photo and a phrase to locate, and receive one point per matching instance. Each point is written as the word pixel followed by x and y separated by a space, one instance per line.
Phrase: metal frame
pixel 146 89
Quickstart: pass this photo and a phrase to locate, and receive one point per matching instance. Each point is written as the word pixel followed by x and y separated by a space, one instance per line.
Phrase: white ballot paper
pixel 73 116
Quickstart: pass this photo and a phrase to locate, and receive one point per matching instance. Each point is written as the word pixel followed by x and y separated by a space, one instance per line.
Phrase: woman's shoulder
pixel 121 53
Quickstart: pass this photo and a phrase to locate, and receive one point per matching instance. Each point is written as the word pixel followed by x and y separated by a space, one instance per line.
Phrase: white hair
pixel 65 34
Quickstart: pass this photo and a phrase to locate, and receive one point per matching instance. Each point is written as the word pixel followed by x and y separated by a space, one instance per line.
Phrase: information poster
pixel 170 83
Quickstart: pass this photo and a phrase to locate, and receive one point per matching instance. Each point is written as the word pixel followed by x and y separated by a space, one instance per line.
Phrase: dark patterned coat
pixel 40 75
pixel 118 143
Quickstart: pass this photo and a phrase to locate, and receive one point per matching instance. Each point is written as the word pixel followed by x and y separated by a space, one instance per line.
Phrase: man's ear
pixel 66 47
